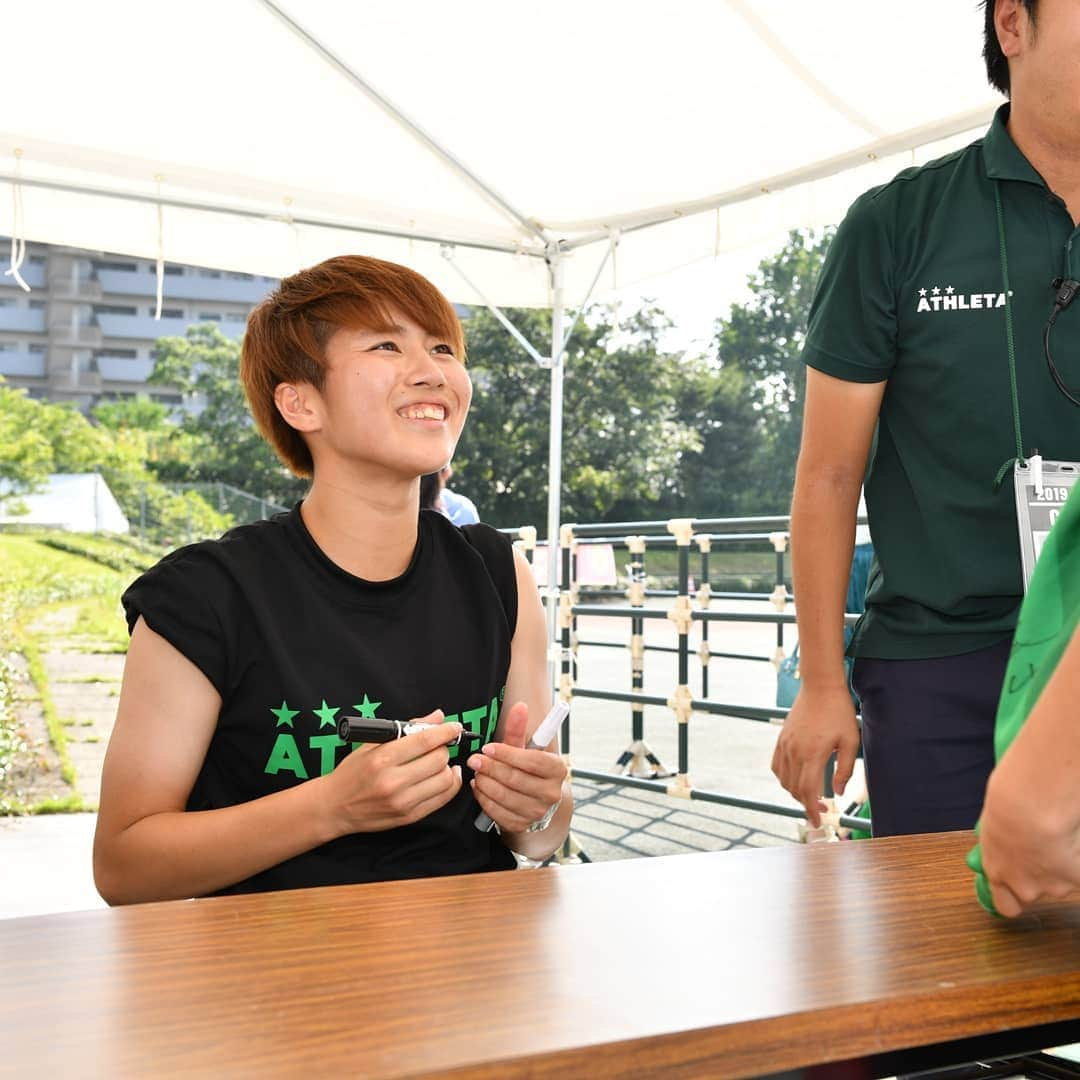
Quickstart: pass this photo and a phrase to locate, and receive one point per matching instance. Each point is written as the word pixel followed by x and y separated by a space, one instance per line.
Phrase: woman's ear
pixel 299 404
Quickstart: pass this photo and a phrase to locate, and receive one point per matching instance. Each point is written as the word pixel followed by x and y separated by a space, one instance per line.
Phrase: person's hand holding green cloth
pixel 1029 830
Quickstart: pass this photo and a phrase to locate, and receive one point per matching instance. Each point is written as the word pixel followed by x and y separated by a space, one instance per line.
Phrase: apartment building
pixel 86 331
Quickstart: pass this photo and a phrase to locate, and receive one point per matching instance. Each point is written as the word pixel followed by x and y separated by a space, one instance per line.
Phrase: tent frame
pixel 539 240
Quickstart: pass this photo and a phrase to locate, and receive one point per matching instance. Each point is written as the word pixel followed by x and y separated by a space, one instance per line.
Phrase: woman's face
pixel 394 400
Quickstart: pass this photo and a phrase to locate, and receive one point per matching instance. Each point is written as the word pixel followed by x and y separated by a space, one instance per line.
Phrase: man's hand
pixel 1030 839
pixel 515 786
pixel 381 786
pixel 819 722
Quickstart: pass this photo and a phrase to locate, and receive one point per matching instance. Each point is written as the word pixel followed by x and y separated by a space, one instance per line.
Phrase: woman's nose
pixel 424 369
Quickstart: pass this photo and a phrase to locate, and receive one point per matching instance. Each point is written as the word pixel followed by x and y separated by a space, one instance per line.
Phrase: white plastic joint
pixel 779 541
pixel 566 610
pixel 779 597
pixel 682 529
pixel 680 787
pixel 681 614
pixel 680 704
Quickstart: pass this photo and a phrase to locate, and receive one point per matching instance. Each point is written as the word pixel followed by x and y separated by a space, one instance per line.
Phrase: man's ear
pixel 299 405
pixel 1012 24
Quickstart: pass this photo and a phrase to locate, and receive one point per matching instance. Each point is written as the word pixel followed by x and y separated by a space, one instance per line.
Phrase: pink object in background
pixel 595 565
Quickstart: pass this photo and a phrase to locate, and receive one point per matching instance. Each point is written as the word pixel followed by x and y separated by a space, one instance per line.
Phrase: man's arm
pixel 515 786
pixel 1030 824
pixel 838 427
pixel 148 847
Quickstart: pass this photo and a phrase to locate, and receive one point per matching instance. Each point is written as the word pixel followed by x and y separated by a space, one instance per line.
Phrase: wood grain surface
pixel 723 964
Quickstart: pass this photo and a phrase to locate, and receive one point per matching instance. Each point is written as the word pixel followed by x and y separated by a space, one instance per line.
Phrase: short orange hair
pixel 286 334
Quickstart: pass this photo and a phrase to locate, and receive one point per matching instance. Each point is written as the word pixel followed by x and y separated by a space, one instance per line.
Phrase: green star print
pixel 285 715
pixel 326 715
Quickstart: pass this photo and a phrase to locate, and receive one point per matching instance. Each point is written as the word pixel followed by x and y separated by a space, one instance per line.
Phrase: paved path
pixel 49 856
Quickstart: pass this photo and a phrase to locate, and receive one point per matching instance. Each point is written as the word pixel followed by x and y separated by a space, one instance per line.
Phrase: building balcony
pixel 147 328
pixel 83 336
pixel 28 365
pixel 32 273
pixel 182 287
pixel 27 320
pixel 124 369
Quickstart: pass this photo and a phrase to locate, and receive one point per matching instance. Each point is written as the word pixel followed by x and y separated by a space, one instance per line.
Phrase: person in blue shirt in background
pixel 460 509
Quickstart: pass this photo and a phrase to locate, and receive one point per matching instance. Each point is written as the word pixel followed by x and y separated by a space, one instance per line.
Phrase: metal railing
pixel 638 766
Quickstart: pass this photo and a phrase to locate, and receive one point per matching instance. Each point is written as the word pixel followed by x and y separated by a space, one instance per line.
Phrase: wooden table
pixel 729 964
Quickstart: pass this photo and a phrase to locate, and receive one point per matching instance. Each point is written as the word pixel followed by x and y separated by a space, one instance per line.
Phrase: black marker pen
pixel 375 730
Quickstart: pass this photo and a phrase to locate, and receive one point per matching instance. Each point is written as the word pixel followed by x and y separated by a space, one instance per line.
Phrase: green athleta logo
pixel 322 746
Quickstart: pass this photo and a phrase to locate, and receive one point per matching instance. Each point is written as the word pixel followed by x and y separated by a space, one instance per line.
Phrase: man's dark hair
pixel 997 67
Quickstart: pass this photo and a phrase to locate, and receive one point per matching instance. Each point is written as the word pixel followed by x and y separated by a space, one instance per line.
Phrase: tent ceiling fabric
pixel 267 155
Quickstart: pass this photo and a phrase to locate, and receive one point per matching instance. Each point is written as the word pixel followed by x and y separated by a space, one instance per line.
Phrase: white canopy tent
pixel 517 154
pixel 77 502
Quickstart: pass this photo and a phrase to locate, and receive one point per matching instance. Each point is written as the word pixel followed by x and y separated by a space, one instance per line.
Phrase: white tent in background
pixel 516 154
pixel 76 502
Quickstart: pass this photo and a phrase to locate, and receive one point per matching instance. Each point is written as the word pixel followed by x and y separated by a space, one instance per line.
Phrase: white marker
pixel 548 729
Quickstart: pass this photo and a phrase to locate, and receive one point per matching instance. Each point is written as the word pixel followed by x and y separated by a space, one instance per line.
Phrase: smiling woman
pixel 221 775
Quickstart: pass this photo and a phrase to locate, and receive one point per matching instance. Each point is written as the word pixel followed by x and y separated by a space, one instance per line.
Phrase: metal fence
pixel 638 766
pixel 173 514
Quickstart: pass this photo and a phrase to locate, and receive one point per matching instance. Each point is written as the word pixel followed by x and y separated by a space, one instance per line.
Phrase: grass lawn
pixel 42 572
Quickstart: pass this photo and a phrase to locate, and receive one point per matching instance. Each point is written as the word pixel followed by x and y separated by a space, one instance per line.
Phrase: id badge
pixel 1041 486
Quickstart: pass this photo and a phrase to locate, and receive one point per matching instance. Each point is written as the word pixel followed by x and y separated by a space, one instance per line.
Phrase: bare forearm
pixel 180 854
pixel 1030 824
pixel 822 541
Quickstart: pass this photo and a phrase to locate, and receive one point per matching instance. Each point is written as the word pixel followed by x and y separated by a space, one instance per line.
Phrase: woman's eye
pixel 386 345
pixel 445 349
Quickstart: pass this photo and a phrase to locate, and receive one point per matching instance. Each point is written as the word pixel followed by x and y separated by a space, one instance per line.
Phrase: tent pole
pixel 555 261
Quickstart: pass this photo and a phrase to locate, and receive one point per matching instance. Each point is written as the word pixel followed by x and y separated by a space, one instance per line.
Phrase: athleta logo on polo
pixel 948 299
pixel 310 751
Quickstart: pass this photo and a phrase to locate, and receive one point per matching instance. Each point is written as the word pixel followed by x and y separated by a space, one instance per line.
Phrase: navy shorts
pixel 928 738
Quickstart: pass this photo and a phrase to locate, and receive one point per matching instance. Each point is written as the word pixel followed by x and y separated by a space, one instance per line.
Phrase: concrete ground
pixel 46 859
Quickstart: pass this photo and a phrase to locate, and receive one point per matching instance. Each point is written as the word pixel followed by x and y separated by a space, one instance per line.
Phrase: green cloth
pixel 1048 618
pixel 911 292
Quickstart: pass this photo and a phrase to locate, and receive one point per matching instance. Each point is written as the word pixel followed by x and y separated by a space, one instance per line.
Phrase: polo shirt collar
pixel 1002 156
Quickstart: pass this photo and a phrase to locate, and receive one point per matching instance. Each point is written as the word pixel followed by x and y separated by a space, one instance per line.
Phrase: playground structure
pixel 638 766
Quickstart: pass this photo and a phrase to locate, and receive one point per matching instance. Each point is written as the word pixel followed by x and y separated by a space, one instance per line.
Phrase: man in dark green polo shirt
pixel 908 339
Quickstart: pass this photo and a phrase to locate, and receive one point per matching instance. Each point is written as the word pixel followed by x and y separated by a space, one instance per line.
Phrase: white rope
pixel 160 268
pixel 18 226
pixel 295 231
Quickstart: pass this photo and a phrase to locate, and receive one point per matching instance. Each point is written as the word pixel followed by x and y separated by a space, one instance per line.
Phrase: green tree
pixel 26 456
pixel 623 436
pixel 39 437
pixel 139 412
pixel 205 365
pixel 172 454
pixel 717 401
pixel 748 402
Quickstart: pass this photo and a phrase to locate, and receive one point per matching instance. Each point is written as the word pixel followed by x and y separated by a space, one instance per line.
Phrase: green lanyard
pixel 1011 343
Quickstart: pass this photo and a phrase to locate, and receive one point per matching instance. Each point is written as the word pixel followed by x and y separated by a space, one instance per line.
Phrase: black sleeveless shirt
pixel 291 642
